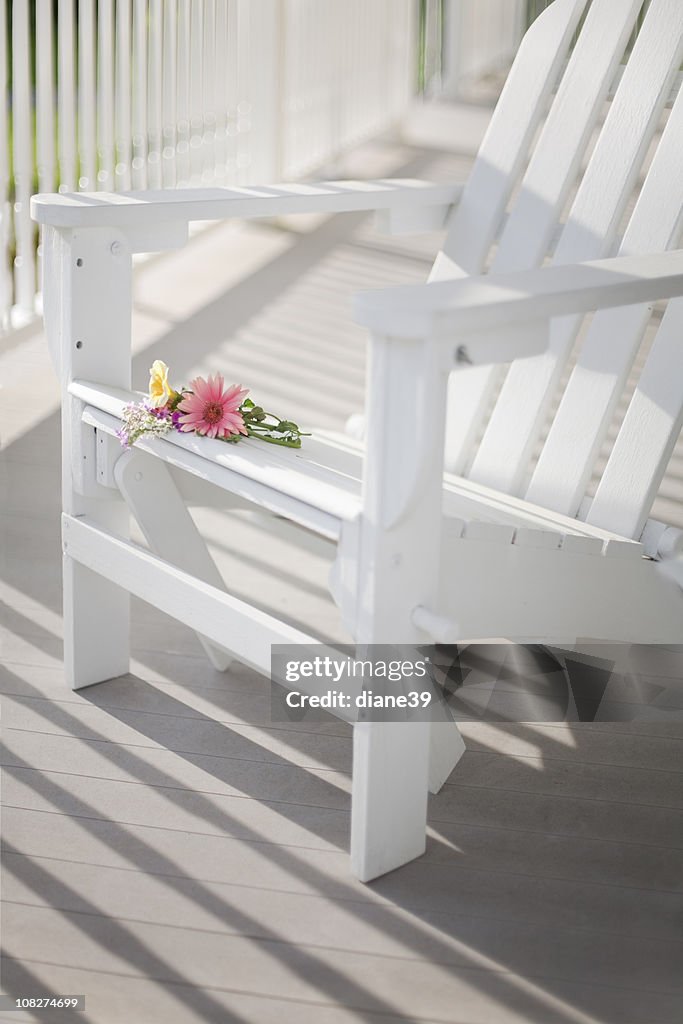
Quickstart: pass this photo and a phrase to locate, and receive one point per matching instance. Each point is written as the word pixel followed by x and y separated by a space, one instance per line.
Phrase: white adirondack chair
pixel 485 550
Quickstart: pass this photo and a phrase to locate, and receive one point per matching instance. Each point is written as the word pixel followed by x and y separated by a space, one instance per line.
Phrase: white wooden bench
pixel 499 546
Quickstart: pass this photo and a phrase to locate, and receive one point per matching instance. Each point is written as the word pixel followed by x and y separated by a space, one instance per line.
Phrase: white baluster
pixel 231 90
pixel 154 111
pixel 87 151
pixel 183 95
pixel 209 91
pixel 196 102
pixel 220 74
pixel 124 149
pixel 5 209
pixel 168 102
pixel 66 96
pixel 139 106
pixel 105 94
pixel 24 262
pixel 45 111
pixel 244 73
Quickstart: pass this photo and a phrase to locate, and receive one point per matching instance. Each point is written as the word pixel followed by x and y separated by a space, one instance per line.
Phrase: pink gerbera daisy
pixel 212 409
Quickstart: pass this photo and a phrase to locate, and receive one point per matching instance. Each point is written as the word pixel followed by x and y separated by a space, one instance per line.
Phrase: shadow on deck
pixel 175 855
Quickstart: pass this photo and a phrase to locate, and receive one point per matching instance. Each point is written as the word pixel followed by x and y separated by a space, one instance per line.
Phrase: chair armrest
pixel 142 210
pixel 451 309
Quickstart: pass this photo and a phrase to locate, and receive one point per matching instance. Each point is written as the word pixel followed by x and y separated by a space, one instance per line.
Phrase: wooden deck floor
pixel 176 856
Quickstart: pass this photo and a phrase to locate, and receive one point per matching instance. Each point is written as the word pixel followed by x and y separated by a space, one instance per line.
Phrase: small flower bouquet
pixel 208 408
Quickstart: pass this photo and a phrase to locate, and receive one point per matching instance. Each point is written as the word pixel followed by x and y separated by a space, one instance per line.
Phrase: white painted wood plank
pixel 66 96
pixel 24 262
pixel 123 87
pixel 209 88
pixel 139 101
pixel 489 533
pixel 527 538
pixel 502 153
pixel 265 495
pixel 545 186
pixel 148 487
pixel 463 500
pixel 105 95
pixel 45 98
pixel 556 596
pixel 446 747
pixel 602 367
pixel 402 487
pixel 6 283
pixel 557 155
pixel 148 208
pixel 89 312
pixel 220 77
pixel 169 80
pixel 389 800
pixel 451 308
pixel 183 94
pixel 195 87
pixel 581 545
pixel 218 616
pixel 515 425
pixel 647 437
pixel 87 144
pixel 154 94
pixel 623 549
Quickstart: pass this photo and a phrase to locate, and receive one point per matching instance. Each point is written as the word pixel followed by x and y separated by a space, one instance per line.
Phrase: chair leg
pixel 151 494
pixel 446 747
pixel 96 614
pixel 389 796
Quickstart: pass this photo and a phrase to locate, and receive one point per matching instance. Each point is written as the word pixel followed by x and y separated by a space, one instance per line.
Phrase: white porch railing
pixel 163 93
pixel 479 37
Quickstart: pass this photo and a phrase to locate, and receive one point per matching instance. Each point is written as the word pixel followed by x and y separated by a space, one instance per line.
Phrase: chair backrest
pixel 555 179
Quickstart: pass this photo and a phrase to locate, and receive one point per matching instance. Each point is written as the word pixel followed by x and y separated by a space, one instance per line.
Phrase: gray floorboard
pixel 178 856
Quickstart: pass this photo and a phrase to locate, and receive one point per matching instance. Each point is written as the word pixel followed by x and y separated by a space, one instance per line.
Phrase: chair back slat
pixel 647 437
pixel 505 147
pixel 545 187
pixel 515 426
pixel 612 341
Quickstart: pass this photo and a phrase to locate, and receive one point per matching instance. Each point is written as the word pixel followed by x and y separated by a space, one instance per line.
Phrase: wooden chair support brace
pixel 147 485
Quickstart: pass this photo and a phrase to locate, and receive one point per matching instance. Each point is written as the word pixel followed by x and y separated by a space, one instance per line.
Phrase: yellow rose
pixel 160 390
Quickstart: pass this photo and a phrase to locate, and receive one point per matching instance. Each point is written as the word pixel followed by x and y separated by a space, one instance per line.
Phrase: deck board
pixel 177 855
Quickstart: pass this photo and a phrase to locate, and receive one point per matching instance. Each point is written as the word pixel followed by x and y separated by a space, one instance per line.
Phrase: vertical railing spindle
pixel 183 95
pixel 231 90
pixel 220 106
pixel 105 94
pixel 139 104
pixel 66 96
pixel 154 111
pixel 209 91
pixel 5 209
pixel 45 98
pixel 24 261
pixel 124 149
pixel 87 150
pixel 244 110
pixel 160 93
pixel 45 110
pixel 169 117
pixel 196 81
